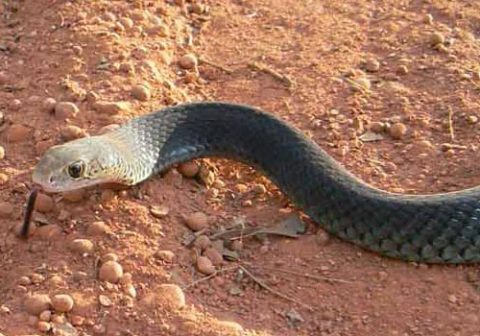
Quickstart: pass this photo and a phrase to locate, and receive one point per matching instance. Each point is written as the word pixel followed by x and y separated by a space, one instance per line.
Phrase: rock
pixel 159 29
pixel 109 257
pixel 398 130
pixel 71 132
pixel 472 119
pixel 360 84
pixel 43 326
pixel 105 300
pixel 46 315
pixel 44 203
pixel 215 257
pixel 259 189
pixel 197 221
pixel 37 278
pixel 165 295
pixel 2 152
pixel 428 19
pixel 372 65
pixel 189 169
pixel 18 133
pixel 159 211
pixel 126 279
pixel 82 246
pixel 62 303
pixel 24 281
pixel 3 178
pixel 110 271
pixel 37 303
pixel 130 290
pixel 77 320
pixel 205 265
pixel 437 38
pixel 65 110
pixel 48 105
pixel 165 255
pixel 111 107
pixel 188 61
pixel 229 328
pixel 141 92
pixel 6 209
pixel 97 228
pixel 202 242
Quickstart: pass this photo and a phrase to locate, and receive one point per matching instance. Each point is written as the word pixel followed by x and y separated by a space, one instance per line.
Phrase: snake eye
pixel 75 170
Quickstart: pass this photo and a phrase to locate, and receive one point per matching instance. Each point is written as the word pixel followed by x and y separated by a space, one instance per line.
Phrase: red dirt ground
pixel 416 63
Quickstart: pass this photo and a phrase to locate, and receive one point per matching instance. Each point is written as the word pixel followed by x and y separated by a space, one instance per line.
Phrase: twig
pixel 28 213
pixel 273 291
pixel 196 282
pixel 305 275
pixel 275 74
pixel 450 123
pixel 215 65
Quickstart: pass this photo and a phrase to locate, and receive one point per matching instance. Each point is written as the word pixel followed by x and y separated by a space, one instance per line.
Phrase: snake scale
pixel 439 228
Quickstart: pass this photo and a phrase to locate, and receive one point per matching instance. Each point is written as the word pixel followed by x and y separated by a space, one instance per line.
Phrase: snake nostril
pixel 51 179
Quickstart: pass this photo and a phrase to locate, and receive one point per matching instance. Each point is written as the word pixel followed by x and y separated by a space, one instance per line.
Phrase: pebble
pixel 197 221
pixel 372 65
pixel 3 178
pixel 165 255
pixel 168 295
pixel 74 195
pixel 56 281
pixel 62 303
pixel 24 280
pixel 202 242
pixel 188 61
pixel 437 38
pixel 259 189
pixel 361 84
pixel 81 246
pixel 229 328
pixel 6 209
pixel 46 315
pixel 215 257
pixel 159 211
pixel 77 320
pixel 126 279
pixel 111 107
pixel 71 132
pixel 472 119
pixel 398 130
pixel 189 169
pixel 17 133
pixel 48 105
pixel 110 271
pixel 428 19
pixel 2 152
pixel 402 70
pixel 205 265
pixel 65 110
pixel 159 29
pixel 130 290
pixel 141 92
pixel 43 326
pixel 109 257
pixel 97 228
pixel 44 203
pixel 37 303
pixel 105 300
pixel 37 278
pixel 452 298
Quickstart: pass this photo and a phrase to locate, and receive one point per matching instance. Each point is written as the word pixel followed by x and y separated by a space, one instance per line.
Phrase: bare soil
pixel 407 70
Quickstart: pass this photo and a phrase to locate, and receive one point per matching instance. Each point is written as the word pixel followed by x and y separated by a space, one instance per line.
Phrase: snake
pixel 430 228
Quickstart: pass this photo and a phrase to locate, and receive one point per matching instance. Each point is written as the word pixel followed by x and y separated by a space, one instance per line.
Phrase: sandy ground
pixel 403 72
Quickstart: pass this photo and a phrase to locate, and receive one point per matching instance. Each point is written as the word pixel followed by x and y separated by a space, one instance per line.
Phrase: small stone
pixel 71 132
pixel 43 326
pixel 166 295
pixel 99 329
pixel 37 278
pixel 402 70
pixel 37 303
pixel 78 50
pixel 109 257
pixel 18 133
pixel 97 228
pixel 372 65
pixel 82 246
pixel 105 300
pixel 108 128
pixel 126 279
pixel 159 29
pixel 15 104
pixel 56 281
pixel 361 84
pixel 165 255
pixel 77 320
pixel 188 61
pixel 428 19
pixel 159 211
pixel 46 315
pixel 205 265
pixel 44 203
pixel 141 92
pixel 3 178
pixel 215 257
pixel 107 196
pixel 229 328
pixel 202 242
pixel 65 110
pixel 24 280
pixel 6 209
pixel 376 126
pixel 130 290
pixel 437 38
pixel 48 105
pixel 189 169
pixel 259 189
pixel 398 130
pixel 472 119
pixel 110 271
pixel 197 221
pixel 74 195
pixel 2 152
pixel 111 107
pixel 62 303
pixel 452 298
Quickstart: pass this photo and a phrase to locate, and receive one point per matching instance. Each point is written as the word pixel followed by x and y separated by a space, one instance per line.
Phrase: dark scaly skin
pixel 441 228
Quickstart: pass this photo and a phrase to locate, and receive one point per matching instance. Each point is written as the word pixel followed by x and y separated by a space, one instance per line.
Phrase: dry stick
pixel 450 124
pixel 28 213
pixel 215 65
pixel 305 275
pixel 273 291
pixel 223 270
pixel 275 74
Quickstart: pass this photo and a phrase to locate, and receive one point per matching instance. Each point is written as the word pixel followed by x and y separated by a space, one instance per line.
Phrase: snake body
pixel 440 228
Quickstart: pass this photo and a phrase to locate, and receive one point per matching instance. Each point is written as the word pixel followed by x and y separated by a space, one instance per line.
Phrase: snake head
pixel 74 165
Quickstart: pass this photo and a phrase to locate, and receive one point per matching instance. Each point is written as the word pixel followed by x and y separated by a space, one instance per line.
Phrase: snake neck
pixel 436 228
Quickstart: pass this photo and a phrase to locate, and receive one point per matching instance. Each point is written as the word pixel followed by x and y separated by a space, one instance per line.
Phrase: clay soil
pixel 338 70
